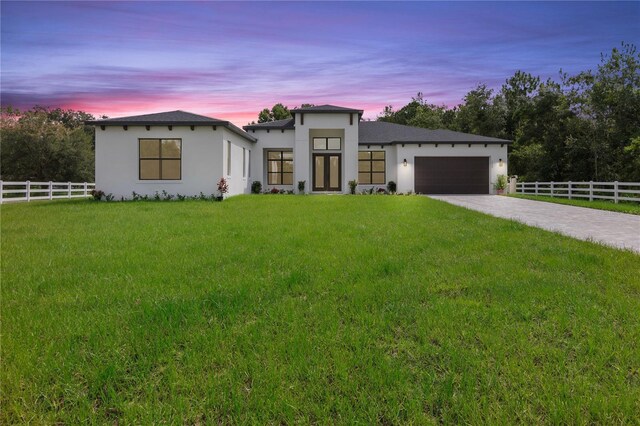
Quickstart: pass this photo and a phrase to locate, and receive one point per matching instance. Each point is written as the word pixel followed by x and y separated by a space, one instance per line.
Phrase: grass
pixel 310 309
pixel 623 207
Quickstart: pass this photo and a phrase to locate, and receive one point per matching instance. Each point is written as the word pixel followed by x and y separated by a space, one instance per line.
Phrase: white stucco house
pixel 326 146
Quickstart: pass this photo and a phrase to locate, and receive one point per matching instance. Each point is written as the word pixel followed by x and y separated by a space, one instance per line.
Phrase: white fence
pixel 31 191
pixel 614 191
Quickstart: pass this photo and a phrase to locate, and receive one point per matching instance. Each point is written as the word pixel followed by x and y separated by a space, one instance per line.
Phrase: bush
pixel 256 187
pixel 274 191
pixel 500 183
pixel 392 187
pixel 353 184
pixel 301 185
pixel 97 194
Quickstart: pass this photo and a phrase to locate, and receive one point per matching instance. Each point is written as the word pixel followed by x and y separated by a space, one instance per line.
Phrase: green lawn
pixel 310 309
pixel 624 207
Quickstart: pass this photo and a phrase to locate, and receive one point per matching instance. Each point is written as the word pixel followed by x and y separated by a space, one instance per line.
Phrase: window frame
pixel 228 158
pixel 326 143
pixel 281 171
pixel 371 172
pixel 160 159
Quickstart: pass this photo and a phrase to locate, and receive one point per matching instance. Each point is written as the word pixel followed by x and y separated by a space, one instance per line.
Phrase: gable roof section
pixel 326 109
pixel 171 118
pixel 384 133
pixel 287 123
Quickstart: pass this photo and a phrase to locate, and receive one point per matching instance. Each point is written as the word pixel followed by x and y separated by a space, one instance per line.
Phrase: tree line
pixel 583 127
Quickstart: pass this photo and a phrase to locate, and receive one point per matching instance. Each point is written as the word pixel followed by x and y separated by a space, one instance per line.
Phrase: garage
pixel 452 175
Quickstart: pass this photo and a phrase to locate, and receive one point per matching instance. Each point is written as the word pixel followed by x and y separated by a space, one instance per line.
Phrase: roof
pixel 287 123
pixel 326 109
pixel 175 118
pixel 382 132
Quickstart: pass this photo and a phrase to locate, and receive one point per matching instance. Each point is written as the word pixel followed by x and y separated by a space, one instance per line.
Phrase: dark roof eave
pixel 232 127
pixel 320 111
pixel 497 142
pixel 267 127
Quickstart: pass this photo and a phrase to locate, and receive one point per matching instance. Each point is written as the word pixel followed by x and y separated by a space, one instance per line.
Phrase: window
pixel 160 159
pixel 371 167
pixel 249 163
pixel 244 163
pixel 323 144
pixel 280 168
pixel 228 158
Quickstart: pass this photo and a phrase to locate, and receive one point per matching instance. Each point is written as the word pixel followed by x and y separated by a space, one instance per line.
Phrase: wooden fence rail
pixel 31 191
pixel 615 191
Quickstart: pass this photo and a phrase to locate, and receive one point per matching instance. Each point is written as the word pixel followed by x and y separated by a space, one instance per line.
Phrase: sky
pixel 231 59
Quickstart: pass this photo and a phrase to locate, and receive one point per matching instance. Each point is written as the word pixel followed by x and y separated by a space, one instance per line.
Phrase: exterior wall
pixel 410 151
pixel 274 139
pixel 314 124
pixel 239 182
pixel 117 160
pixel 391 164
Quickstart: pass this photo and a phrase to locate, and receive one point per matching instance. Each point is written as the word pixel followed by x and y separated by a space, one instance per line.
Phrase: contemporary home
pixel 326 146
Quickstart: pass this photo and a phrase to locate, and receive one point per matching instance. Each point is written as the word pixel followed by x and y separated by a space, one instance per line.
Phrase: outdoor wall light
pixel 404 163
pixel 500 162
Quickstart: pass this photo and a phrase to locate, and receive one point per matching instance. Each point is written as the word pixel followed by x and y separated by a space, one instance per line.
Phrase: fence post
pixel 1 189
pixel 50 190
pixel 85 189
pixel 536 188
pixel 615 192
pixel 28 190
pixel 68 189
pixel 569 189
pixel 590 190
pixel 551 189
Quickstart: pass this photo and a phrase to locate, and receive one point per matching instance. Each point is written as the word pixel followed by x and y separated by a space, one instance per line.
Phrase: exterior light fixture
pixel 404 163
pixel 500 163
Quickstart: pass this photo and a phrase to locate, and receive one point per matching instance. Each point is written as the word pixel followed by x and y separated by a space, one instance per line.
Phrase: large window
pixel 280 167
pixel 160 159
pixel 371 167
pixel 324 144
pixel 228 158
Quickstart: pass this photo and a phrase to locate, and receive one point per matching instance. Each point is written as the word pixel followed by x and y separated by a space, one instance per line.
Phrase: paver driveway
pixel 611 228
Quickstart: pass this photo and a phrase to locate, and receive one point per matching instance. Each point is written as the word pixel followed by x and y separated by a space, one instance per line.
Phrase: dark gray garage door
pixel 452 175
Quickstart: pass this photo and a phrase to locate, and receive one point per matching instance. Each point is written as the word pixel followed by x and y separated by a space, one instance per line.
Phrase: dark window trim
pixel 327 172
pixel 280 172
pixel 326 143
pixel 160 159
pixel 371 171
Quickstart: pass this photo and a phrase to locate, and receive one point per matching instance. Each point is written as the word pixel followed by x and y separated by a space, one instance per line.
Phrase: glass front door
pixel 327 172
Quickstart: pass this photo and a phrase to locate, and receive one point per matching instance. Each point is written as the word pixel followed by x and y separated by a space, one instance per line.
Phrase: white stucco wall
pixel 239 182
pixel 117 160
pixel 405 177
pixel 273 139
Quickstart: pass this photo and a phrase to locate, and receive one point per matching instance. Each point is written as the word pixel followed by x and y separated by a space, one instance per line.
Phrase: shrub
pixel 274 191
pixel 97 194
pixel 256 187
pixel 301 185
pixel 109 197
pixel 353 184
pixel 392 187
pixel 223 187
pixel 500 183
pixel 381 191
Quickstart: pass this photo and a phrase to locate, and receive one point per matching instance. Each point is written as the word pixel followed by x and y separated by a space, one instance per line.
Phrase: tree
pixel 481 113
pixel 418 113
pixel 277 112
pixel 43 144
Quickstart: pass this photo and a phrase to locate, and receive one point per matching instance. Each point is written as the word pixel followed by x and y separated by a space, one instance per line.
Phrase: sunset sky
pixel 229 60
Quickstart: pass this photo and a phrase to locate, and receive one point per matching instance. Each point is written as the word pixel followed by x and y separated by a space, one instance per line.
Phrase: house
pixel 326 146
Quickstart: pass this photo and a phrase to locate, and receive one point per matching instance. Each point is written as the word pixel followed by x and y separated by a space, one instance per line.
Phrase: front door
pixel 327 172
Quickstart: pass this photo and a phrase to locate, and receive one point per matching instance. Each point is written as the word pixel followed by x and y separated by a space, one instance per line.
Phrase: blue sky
pixel 229 60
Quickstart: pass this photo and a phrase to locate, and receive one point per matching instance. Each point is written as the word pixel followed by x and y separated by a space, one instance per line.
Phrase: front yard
pixel 312 309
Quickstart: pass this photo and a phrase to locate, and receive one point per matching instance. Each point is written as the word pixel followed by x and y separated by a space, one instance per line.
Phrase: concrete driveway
pixel 614 229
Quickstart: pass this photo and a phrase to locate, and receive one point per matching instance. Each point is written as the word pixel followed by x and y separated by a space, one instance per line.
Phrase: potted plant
pixel 223 188
pixel 500 184
pixel 301 185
